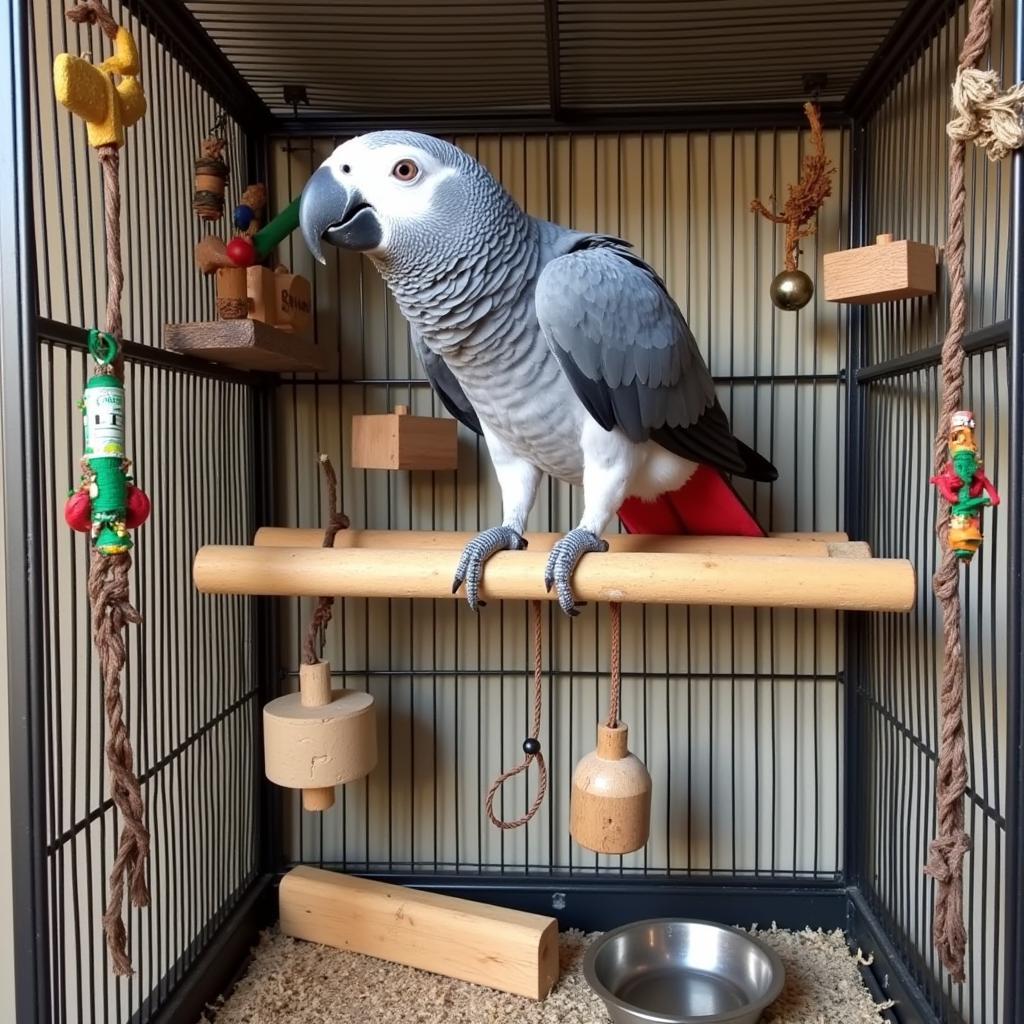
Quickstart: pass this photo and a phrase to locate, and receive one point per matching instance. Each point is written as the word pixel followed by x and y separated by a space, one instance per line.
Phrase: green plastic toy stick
pixel 277 229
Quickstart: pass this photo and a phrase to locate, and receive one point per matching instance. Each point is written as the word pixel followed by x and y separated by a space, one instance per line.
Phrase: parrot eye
pixel 405 170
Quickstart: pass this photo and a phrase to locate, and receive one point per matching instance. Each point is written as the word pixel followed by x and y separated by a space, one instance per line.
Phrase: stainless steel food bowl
pixel 671 971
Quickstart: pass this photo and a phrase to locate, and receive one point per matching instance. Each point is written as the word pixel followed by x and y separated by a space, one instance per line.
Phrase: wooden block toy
pixel 610 807
pixel 259 286
pixel 280 298
pixel 883 272
pixel 319 738
pixel 247 345
pixel 232 302
pixel 400 441
pixel 293 302
pixel 504 949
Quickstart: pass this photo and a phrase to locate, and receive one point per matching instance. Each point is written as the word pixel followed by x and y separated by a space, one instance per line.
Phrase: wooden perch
pixel 808 545
pixel 839 577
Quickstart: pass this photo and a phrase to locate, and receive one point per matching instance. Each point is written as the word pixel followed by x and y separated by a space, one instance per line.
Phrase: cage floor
pixel 292 982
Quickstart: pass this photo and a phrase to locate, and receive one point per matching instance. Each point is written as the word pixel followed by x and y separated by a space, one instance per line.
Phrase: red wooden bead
pixel 138 508
pixel 77 511
pixel 241 252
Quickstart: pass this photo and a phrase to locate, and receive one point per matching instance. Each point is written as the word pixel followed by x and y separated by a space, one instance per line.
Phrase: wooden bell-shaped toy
pixel 610 809
pixel 319 738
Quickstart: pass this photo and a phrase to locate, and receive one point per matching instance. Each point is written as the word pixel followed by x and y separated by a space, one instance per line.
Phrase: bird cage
pixel 791 734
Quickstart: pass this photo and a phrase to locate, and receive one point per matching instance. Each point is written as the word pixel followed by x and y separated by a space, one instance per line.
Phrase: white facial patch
pixel 356 165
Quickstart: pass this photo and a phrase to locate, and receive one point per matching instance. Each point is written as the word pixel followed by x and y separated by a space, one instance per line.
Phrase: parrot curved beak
pixel 328 211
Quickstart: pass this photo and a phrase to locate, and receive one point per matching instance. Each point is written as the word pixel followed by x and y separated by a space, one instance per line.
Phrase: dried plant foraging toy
pixel 106 504
pixel 791 288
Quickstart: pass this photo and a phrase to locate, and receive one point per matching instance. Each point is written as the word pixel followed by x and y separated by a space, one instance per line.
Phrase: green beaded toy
pixel 106 503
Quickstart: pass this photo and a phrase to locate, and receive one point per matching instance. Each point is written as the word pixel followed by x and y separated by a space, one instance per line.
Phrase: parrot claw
pixel 562 562
pixel 475 554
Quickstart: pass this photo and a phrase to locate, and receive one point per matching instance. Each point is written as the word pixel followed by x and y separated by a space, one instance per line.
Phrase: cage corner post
pixel 855 640
pixel 1013 1008
pixel 23 581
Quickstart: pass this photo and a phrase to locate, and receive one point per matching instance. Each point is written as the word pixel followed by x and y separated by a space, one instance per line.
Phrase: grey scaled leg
pixel 476 553
pixel 562 562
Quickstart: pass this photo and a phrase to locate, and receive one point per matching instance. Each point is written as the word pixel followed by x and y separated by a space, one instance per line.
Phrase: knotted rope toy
pixel 531 745
pixel 963 483
pixel 113 504
pixel 792 289
pixel 981 117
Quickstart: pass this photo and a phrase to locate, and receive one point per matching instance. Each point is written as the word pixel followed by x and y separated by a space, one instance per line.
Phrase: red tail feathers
pixel 706 504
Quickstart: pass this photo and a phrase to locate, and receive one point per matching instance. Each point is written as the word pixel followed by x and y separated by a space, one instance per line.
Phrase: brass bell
pixel 792 290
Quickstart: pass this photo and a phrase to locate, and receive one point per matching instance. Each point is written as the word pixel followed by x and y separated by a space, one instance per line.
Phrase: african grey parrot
pixel 562 348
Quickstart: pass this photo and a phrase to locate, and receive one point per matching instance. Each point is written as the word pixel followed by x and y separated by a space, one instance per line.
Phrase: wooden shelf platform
pixel 793 571
pixel 247 345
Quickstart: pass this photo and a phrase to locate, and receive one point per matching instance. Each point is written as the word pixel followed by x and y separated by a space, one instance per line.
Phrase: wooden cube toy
pixel 293 303
pixel 883 272
pixel 400 441
pixel 280 298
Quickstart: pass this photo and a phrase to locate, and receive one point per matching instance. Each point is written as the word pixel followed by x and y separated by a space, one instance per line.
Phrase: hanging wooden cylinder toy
pixel 319 738
pixel 211 177
pixel 610 808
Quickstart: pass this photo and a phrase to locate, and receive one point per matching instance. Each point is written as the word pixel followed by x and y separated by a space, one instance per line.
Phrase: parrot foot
pixel 476 553
pixel 562 562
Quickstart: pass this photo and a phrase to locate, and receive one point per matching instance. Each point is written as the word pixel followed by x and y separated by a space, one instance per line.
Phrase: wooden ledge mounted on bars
pixel 883 272
pixel 399 441
pixel 769 572
pixel 247 345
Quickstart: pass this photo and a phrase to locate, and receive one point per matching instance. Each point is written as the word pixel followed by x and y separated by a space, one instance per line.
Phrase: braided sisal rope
pixel 528 759
pixel 108 589
pixel 112 611
pixel 336 521
pixel 987 118
pixel 615 690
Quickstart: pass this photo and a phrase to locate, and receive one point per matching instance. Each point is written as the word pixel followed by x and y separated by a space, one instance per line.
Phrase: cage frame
pixel 594 901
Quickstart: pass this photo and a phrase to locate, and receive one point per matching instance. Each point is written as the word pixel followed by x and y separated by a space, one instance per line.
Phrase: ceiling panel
pixel 443 57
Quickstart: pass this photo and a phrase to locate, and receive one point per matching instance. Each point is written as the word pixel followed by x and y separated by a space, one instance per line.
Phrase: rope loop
pixel 103 347
pixel 531 745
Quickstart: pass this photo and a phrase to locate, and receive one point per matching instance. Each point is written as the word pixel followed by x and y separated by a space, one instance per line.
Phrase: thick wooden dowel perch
pixel 852 584
pixel 805 545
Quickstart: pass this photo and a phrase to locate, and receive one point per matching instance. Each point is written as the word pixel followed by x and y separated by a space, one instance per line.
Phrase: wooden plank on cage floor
pixel 504 949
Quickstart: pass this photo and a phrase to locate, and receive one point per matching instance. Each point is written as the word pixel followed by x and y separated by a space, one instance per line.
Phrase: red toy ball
pixel 241 252
pixel 77 510
pixel 138 508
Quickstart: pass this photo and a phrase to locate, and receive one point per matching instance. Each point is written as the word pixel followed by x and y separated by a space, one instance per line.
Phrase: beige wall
pixel 714 725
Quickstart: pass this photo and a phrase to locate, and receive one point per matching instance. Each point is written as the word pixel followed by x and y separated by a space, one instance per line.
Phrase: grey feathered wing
pixel 443 381
pixel 631 359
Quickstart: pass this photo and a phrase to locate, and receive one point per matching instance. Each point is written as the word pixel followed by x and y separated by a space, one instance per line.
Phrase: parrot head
pixel 402 198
